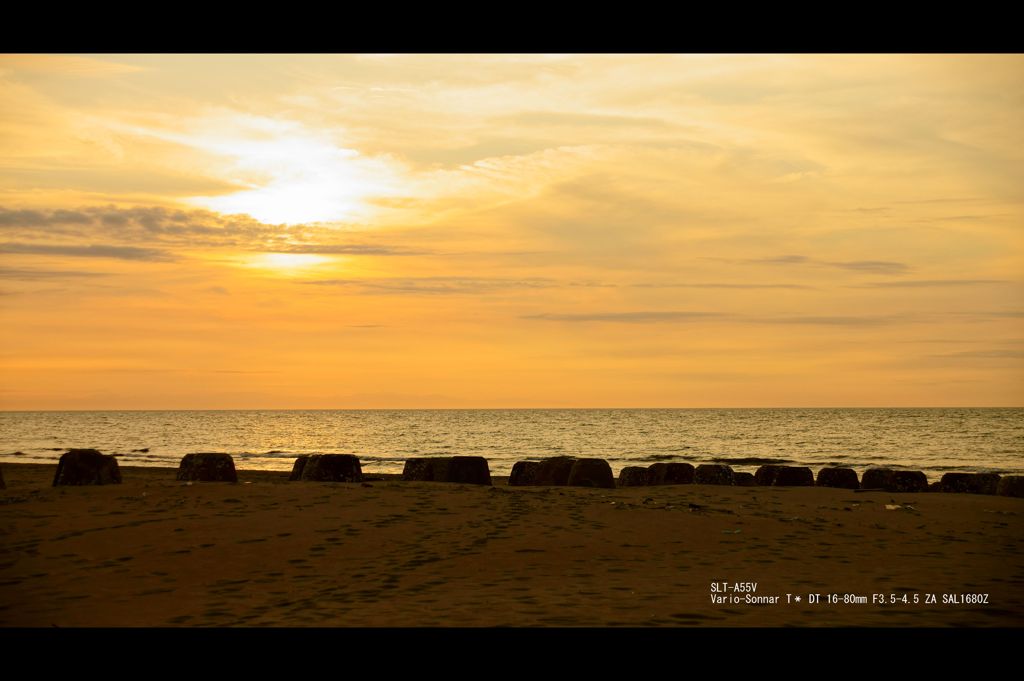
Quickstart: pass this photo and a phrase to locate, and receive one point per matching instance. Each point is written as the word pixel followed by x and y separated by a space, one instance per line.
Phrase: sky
pixel 503 231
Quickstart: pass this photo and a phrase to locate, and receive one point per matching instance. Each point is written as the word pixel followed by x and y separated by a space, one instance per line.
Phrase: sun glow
pixel 293 174
pixel 286 261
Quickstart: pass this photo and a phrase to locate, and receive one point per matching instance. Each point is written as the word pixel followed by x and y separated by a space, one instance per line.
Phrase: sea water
pixel 932 440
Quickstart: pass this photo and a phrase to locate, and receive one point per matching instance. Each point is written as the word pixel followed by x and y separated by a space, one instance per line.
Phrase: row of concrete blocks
pixel 885 479
pixel 90 467
pixel 554 472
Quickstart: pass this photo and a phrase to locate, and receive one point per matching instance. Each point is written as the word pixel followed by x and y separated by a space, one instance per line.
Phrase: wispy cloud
pixel 983 354
pixel 872 266
pixel 68 64
pixel 930 283
pixel 91 251
pixel 575 120
pixel 347 249
pixel 434 285
pixel 782 260
pixel 645 317
pixel 173 228
pixel 648 317
pixel 34 274
pixel 833 320
pixel 726 286
pixel 869 266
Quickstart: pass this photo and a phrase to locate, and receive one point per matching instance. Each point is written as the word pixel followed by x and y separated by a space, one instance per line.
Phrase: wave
pixel 749 460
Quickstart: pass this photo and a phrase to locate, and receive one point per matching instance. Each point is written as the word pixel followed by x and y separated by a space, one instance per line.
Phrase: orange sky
pixel 363 231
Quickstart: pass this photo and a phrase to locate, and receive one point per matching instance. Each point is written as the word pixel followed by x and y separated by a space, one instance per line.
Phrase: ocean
pixel 932 440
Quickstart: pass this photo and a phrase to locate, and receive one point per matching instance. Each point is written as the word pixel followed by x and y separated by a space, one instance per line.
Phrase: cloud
pixel 929 283
pixel 983 354
pixel 33 274
pixel 989 315
pixel 184 229
pixel 435 285
pixel 725 286
pixel 832 320
pixel 648 317
pixel 871 266
pixel 645 317
pixel 68 65
pixel 783 260
pixel 575 120
pixel 348 249
pixel 91 251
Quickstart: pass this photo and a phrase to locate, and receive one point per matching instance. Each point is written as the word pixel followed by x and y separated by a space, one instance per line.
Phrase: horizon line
pixel 227 409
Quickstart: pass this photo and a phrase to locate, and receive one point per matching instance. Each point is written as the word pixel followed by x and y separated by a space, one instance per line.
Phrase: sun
pixel 293 174
pixel 284 263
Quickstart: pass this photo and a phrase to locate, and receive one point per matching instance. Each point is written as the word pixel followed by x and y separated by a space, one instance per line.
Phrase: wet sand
pixel 268 552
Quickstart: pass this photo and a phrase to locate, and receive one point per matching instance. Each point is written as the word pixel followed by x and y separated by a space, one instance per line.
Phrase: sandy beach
pixel 267 552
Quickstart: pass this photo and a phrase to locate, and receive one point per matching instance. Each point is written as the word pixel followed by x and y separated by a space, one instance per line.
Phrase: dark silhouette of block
pixel 468 470
pixel 1011 486
pixel 845 478
pixel 86 467
pixel 331 468
pixel 554 470
pixel 674 473
pixel 714 474
pixel 207 467
pixel 633 476
pixel 970 483
pixel 300 463
pixel 524 473
pixel 741 479
pixel 591 473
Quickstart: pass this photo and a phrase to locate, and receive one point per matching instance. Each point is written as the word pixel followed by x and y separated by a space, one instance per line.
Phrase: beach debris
pixel 971 483
pixel 714 474
pixel 696 508
pixel 744 479
pixel 207 467
pixel 523 473
pixel 774 475
pixel 86 467
pixel 675 473
pixel 894 481
pixel 633 476
pixel 470 470
pixel 899 507
pixel 591 473
pixel 144 450
pixel 731 531
pixel 844 478
pixel 328 468
pixel 1011 486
